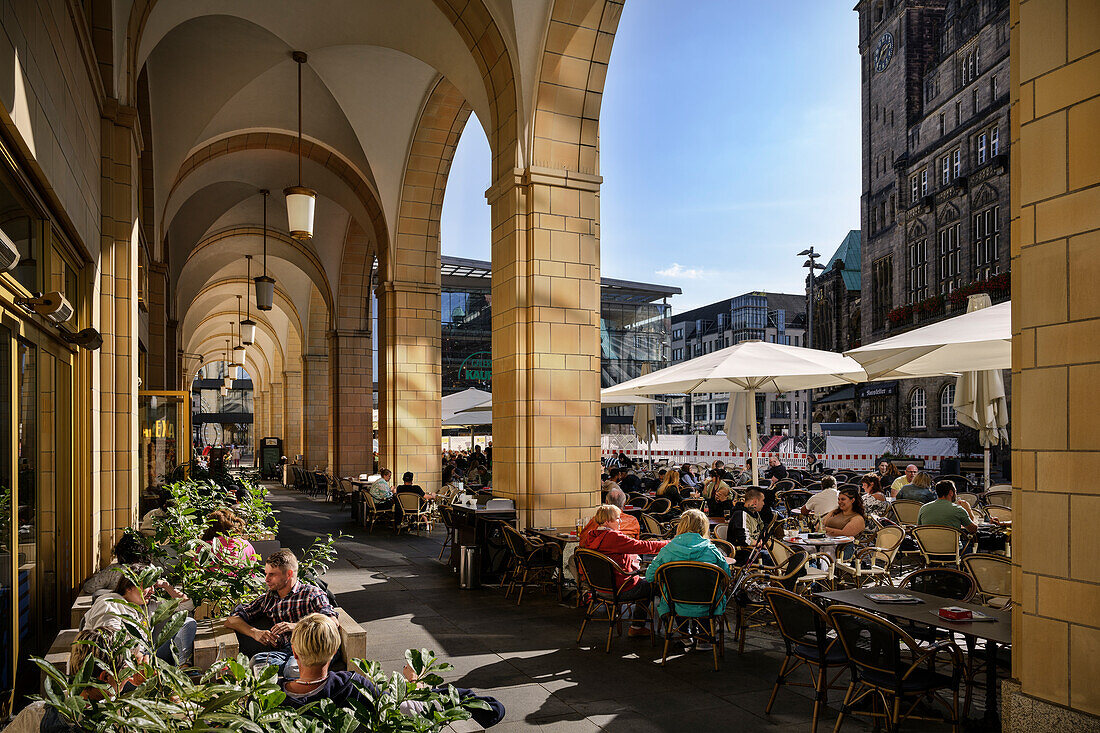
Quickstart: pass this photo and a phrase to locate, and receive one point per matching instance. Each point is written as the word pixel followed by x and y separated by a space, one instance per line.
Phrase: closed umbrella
pixel 980 400
pixel 749 367
pixel 645 419
pixel 737 420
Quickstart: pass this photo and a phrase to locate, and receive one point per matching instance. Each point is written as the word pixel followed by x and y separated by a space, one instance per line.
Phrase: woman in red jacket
pixel 624 550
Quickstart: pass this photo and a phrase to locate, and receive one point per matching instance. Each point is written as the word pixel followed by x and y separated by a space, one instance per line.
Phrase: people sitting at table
pixel 612 480
pixel 629 481
pixel 270 619
pixel 745 476
pixel 315 641
pixel 381 492
pixel 824 501
pixel 690 544
pixel 874 501
pixel 408 487
pixel 725 475
pixel 608 539
pixel 718 493
pixel 670 487
pixel 776 471
pixel 919 490
pixel 746 528
pixel 849 518
pixel 903 480
pixel 628 524
pixel 814 467
pixel 688 479
pixel 945 512
pixel 224 536
pixel 108 610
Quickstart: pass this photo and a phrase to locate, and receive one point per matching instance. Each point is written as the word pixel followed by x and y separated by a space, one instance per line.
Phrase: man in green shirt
pixel 945 512
pixel 902 481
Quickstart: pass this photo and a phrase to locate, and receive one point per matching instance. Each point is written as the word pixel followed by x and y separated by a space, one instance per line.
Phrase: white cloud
pixel 678 270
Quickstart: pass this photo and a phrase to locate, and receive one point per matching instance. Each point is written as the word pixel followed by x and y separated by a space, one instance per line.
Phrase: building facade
pixel 935 202
pixel 775 317
pixel 635 326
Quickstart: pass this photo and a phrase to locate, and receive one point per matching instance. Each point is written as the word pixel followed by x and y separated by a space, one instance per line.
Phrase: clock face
pixel 884 52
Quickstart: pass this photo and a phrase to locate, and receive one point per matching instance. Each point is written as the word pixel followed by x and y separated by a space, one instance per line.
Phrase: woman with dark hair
pixel 874 501
pixel 887 472
pixel 849 518
pixel 687 477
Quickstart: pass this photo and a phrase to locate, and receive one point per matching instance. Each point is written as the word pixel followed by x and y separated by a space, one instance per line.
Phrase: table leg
pixel 992 713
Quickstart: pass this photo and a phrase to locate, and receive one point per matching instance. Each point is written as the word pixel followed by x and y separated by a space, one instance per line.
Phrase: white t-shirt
pixel 823 502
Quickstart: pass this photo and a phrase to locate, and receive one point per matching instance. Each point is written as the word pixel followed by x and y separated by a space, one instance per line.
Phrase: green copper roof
pixel 848 253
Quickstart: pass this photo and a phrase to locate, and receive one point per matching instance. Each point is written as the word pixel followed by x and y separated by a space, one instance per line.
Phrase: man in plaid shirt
pixel 286 602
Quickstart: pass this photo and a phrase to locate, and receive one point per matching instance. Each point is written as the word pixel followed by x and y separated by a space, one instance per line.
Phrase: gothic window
pixel 987 240
pixel 949 258
pixel 917 272
pixel 948 418
pixel 968 68
pixel 918 409
pixel 882 279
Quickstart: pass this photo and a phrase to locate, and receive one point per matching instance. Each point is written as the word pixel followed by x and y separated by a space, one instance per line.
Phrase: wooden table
pixel 992 632
pixel 562 536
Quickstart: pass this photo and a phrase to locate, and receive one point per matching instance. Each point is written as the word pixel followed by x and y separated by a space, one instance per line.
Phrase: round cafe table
pixel 825 545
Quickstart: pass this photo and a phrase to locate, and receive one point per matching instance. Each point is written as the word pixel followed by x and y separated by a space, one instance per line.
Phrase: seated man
pixel 315 641
pixel 824 501
pixel 720 467
pixel 628 524
pixel 408 487
pixel 609 540
pixel 945 512
pixel 746 529
pixel 287 601
pixel 381 492
pixel 776 471
pixel 903 481
pixel 629 482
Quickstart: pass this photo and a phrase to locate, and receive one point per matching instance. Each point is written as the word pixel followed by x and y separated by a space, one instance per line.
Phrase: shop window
pixel 22 227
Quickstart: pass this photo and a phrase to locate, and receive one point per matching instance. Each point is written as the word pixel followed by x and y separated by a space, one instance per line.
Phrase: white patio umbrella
pixel 605 401
pixel 645 419
pixel 751 367
pixel 459 401
pixel 980 401
pixel 976 340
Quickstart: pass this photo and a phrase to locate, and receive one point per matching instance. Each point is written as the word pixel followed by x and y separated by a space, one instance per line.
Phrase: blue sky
pixel 729 142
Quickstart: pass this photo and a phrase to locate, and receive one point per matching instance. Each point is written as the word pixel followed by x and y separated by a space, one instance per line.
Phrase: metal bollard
pixel 469 567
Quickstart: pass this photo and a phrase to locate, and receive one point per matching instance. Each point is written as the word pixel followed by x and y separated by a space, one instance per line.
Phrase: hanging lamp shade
pixel 227 382
pixel 301 201
pixel 224 390
pixel 248 332
pixel 238 354
pixel 265 293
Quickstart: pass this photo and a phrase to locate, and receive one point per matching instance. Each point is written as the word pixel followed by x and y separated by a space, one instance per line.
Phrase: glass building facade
pixel 635 326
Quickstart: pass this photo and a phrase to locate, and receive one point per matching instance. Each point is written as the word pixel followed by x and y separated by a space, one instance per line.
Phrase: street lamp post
pixel 810 264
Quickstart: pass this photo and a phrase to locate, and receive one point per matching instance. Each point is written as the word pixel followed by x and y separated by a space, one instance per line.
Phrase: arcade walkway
pixel 526 656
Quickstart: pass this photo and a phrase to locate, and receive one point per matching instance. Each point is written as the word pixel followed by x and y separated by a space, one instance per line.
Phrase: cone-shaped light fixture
pixel 248 326
pixel 300 201
pixel 265 286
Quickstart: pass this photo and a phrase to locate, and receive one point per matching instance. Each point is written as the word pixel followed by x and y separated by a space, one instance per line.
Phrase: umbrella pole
pixel 987 467
pixel 752 436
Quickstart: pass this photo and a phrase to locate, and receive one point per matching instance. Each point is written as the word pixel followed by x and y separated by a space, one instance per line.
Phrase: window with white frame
pixel 956 162
pixel 917 274
pixel 924 182
pixel 949 258
pixel 914 188
pixel 987 144
pixel 968 70
pixel 994 141
pixel 918 409
pixel 987 242
pixel 948 418
pixel 945 170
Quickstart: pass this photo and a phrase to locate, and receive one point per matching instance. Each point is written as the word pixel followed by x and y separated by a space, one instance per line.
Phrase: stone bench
pixel 353 637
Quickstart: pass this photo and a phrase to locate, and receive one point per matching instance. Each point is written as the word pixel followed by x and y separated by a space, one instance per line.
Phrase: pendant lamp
pixel 300 201
pixel 238 350
pixel 265 286
pixel 248 326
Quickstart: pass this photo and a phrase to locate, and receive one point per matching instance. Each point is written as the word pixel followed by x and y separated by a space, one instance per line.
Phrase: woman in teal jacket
pixel 691 543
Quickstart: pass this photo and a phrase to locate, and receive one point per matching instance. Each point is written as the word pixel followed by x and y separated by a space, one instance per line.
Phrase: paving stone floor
pixel 527 656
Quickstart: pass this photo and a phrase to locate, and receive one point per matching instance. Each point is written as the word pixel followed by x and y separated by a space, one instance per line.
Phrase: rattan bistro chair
pixel 596 571
pixel 805 629
pixel 893 671
pixel 684 585
pixel 992 575
pixel 905 511
pixel 752 610
pixel 938 545
pixel 535 562
pixel 411 512
pixel 873 564
pixel 946 582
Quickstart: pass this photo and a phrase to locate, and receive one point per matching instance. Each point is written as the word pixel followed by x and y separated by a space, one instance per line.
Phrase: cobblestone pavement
pixel 527 656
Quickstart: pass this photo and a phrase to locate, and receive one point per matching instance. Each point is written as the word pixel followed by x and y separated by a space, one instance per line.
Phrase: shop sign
pixel 477 367
pixel 877 389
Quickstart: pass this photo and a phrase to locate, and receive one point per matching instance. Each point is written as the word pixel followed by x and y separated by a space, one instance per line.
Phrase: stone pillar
pixel 115 437
pixel 156 370
pixel 1055 187
pixel 351 405
pixel 410 380
pixel 292 414
pixel 277 424
pixel 546 344
pixel 315 406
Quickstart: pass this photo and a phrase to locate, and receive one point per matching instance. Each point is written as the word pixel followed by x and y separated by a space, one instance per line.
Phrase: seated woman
pixel 223 534
pixel 920 490
pixel 874 501
pixel 688 479
pixel 315 641
pixel 624 550
pixel 718 494
pixel 691 543
pixel 107 612
pixel 849 518
pixel 670 487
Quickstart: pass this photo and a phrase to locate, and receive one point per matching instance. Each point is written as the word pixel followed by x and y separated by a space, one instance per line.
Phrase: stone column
pixel 315 406
pixel 546 343
pixel 292 414
pixel 1055 187
pixel 351 405
pixel 410 380
pixel 277 423
pixel 156 369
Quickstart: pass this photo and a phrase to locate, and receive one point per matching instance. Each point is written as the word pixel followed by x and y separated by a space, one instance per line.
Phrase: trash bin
pixel 469 567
